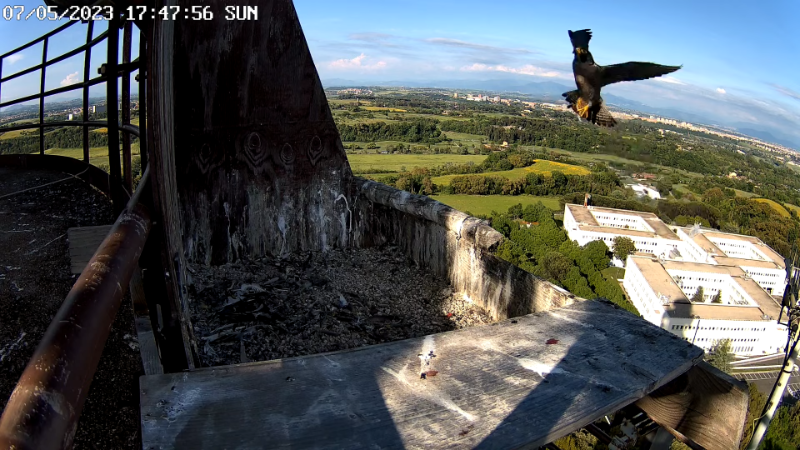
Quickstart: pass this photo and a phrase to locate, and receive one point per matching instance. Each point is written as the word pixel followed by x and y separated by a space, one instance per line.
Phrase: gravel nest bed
pixel 319 302
pixel 34 280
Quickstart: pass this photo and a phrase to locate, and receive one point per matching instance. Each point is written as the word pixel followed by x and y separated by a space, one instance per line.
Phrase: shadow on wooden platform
pixel 520 382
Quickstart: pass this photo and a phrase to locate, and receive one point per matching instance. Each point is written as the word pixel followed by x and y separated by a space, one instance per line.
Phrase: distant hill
pixel 769 136
pixel 18 109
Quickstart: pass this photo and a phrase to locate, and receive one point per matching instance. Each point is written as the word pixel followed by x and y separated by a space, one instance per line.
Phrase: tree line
pixel 64 137
pixel 556 183
pixel 545 250
pixel 419 130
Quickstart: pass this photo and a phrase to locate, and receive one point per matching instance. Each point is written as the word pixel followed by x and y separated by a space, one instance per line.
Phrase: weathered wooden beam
pixel 703 408
pixel 168 218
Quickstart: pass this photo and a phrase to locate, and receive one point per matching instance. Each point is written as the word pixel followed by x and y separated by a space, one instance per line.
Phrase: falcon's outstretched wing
pixel 633 71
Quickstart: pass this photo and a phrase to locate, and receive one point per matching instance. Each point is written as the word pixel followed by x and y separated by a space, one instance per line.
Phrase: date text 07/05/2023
pixel 106 12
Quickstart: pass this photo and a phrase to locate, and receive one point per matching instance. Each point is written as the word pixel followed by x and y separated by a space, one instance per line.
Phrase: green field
pixel 381 108
pixel 775 205
pixel 793 208
pixel 541 167
pixel 394 163
pixel 485 204
pixel 13 134
pixel 614 273
pixel 685 190
pixel 97 155
pixel 465 138
pixel 744 194
pixel 597 157
pixel 18 133
pixel 588 157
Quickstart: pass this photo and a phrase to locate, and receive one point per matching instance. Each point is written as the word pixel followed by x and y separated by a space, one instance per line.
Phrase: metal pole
pixel 696 329
pixel 126 108
pixel 112 109
pixel 41 99
pixel 143 98
pixel 87 65
pixel 777 393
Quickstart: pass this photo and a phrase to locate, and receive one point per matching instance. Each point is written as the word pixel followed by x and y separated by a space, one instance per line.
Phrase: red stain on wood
pixel 552 341
pixel 431 373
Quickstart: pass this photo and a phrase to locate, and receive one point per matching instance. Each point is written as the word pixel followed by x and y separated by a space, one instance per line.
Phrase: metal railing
pixel 120 169
pixel 44 409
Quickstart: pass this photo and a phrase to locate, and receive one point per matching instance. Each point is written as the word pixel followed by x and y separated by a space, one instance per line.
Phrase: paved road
pixel 775 360
pixel 764 381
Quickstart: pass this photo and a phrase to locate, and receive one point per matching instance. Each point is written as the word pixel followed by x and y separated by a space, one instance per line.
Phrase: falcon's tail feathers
pixel 604 117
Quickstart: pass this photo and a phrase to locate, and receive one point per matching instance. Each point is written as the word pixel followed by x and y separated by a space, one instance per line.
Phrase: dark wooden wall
pixel 260 168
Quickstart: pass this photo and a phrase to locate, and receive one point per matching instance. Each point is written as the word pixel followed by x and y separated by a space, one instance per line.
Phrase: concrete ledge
pixel 452 245
pixel 462 224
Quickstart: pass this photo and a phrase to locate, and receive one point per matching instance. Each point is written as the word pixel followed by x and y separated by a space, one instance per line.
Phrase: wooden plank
pixel 161 147
pixel 83 242
pixel 148 349
pixel 704 406
pixel 521 382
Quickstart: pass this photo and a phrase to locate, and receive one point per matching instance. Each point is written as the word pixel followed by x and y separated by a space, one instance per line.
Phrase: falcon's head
pixel 580 42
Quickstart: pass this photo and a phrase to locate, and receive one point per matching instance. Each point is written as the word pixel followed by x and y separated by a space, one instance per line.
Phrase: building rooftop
pixel 704 240
pixel 587 222
pixel 657 276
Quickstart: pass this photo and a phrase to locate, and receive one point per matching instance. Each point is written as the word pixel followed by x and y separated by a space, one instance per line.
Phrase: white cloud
pixel 786 91
pixel 14 58
pixel 670 80
pixel 356 63
pixel 474 46
pixel 720 90
pixel 527 69
pixel 70 79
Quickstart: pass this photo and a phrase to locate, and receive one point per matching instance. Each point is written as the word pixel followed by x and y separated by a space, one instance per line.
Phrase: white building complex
pixel 645 190
pixel 746 314
pixel 671 263
pixel 749 253
pixel 585 224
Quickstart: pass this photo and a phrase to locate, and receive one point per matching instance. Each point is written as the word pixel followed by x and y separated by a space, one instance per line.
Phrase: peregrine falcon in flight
pixel 590 78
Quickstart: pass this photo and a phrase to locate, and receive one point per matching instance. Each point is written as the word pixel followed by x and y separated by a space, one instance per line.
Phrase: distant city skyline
pixel 736 72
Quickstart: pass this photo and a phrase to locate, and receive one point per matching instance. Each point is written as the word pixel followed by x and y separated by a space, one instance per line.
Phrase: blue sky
pixel 738 56
pixel 15 33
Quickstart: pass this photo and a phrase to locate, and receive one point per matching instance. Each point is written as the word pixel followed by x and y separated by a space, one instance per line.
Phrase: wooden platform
pixel 520 382
pixel 83 242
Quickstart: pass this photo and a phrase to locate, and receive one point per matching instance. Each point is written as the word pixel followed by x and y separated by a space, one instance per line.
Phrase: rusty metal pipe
pixel 44 408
